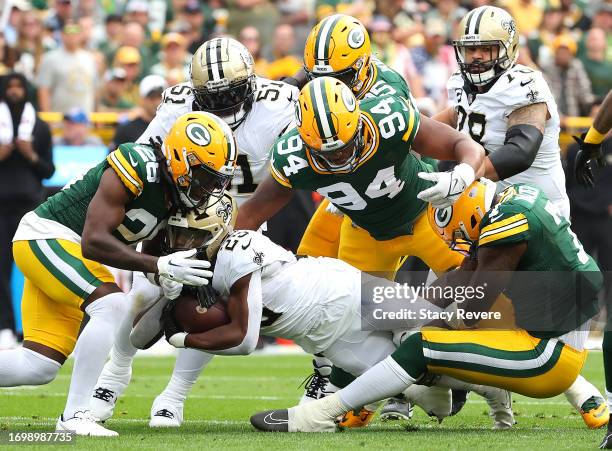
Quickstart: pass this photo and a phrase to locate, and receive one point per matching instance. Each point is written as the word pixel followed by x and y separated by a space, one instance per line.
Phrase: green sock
pixel 340 378
pixel 410 356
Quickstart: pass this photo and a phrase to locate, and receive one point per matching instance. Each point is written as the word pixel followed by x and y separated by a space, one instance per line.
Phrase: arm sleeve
pixel 254 301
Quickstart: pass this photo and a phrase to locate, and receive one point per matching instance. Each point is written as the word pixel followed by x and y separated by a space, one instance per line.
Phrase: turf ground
pixel 232 388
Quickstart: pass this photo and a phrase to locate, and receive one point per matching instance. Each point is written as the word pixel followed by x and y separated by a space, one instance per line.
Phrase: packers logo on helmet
pixel 198 134
pixel 330 124
pixel 200 152
pixel 223 79
pixel 486 27
pixel 339 46
pixel 459 224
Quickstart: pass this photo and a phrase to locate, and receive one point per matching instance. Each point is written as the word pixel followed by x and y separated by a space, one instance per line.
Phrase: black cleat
pixel 271 420
pixel 459 400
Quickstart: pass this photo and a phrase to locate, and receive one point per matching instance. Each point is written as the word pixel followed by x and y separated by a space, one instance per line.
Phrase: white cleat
pixel 317 416
pixel 109 388
pixel 82 423
pixel 500 406
pixel 166 415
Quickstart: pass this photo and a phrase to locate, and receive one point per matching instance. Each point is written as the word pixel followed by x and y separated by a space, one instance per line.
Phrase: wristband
pixel 178 340
pixel 594 137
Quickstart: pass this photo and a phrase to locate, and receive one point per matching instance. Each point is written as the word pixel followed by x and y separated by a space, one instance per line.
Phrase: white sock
pixel 323 365
pixel 189 364
pixel 385 379
pixel 580 391
pixel 22 366
pixel 123 351
pixel 92 349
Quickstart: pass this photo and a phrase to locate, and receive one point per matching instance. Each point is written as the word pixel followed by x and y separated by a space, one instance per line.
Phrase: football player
pixel 339 47
pixel 349 156
pixel 590 149
pixel 62 248
pixel 506 107
pixel 521 232
pixel 258 110
pixel 314 301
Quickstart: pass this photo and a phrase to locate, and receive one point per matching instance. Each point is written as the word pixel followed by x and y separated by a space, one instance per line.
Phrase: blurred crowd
pixel 92 55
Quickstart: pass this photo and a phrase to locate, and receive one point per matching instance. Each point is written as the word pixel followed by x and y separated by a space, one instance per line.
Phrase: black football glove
pixel 582 166
pixel 174 335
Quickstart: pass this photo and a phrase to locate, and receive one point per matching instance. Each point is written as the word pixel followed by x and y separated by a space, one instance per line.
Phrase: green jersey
pixel 379 194
pixel 556 281
pixel 137 167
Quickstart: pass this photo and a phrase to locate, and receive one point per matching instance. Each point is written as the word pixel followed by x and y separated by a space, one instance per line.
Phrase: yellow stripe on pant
pixel 509 359
pixel 57 280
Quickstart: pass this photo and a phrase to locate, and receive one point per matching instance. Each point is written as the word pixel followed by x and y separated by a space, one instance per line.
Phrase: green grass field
pixel 232 388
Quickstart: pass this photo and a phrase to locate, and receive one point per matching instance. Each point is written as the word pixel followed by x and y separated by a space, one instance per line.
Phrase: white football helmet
pixel 223 79
pixel 487 26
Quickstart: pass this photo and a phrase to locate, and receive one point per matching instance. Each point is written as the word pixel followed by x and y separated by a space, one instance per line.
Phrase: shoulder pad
pixel 506 223
pixel 129 163
pixel 178 94
pixel 521 86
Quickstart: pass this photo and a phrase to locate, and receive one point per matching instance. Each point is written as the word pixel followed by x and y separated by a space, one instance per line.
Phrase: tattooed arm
pixel 523 138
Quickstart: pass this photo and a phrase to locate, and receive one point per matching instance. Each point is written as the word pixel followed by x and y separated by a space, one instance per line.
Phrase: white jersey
pixel 271 115
pixel 484 117
pixel 312 301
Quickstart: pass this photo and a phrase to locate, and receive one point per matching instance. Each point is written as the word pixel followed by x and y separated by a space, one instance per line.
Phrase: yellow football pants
pixel 356 246
pixel 322 236
pixel 57 281
pixel 510 359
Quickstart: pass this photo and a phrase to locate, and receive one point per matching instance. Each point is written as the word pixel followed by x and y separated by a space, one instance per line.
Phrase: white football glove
pixel 332 209
pixel 448 187
pixel 171 288
pixel 179 267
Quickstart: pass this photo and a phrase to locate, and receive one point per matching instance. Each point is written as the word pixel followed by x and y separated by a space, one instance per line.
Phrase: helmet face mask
pixel 481 72
pixel 202 185
pixel 345 157
pixel 349 77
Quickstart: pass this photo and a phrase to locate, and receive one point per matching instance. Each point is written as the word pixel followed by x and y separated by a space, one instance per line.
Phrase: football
pixel 195 319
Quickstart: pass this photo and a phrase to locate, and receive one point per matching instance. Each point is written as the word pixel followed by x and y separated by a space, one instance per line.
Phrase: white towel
pixel 26 123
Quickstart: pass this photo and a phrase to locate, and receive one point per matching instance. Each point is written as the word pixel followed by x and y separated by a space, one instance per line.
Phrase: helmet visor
pixel 346 76
pixel 225 101
pixel 205 183
pixel 343 157
pixel 479 60
pixel 185 238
